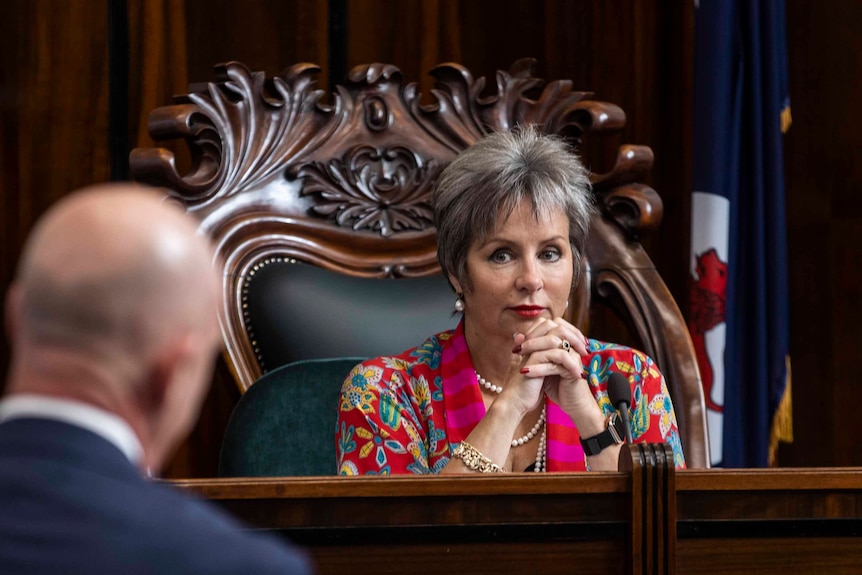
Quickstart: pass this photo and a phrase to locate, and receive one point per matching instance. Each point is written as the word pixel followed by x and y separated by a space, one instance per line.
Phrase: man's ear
pixel 163 372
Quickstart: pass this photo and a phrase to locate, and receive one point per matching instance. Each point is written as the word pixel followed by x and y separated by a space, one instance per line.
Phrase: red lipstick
pixel 528 310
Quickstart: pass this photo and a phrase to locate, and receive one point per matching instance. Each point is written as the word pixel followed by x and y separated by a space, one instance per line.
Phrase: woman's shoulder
pixel 606 356
pixel 425 356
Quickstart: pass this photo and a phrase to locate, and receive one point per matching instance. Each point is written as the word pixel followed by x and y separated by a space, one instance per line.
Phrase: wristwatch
pixel 614 434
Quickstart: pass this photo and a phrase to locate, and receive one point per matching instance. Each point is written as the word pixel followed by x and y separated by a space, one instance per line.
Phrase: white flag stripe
pixel 710 225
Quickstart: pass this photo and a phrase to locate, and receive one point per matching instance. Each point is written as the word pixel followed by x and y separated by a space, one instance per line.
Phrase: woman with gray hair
pixel 515 387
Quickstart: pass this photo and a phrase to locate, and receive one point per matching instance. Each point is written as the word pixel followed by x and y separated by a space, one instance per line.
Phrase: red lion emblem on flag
pixel 708 302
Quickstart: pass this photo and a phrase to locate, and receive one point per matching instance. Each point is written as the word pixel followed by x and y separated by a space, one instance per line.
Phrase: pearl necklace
pixel 541 454
pixel 530 434
pixel 487 384
pixel 533 432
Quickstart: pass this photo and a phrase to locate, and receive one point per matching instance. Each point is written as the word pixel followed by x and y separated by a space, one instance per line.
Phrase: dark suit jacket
pixel 71 502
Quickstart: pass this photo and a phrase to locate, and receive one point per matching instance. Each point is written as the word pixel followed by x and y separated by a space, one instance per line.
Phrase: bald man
pixel 112 318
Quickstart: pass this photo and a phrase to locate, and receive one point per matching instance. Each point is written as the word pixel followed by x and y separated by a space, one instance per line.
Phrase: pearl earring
pixel 459 304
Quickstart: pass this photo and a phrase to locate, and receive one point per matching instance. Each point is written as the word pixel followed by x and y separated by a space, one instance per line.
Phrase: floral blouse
pixel 408 413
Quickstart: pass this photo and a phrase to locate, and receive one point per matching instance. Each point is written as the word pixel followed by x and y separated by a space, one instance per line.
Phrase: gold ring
pixel 565 345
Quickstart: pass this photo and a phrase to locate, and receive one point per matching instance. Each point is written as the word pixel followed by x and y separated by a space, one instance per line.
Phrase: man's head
pixel 115 303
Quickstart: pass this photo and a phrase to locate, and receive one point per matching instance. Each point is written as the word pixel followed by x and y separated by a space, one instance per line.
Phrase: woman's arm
pixel 652 414
pixel 379 431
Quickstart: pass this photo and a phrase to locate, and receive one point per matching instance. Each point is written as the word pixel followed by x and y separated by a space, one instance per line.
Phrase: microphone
pixel 620 394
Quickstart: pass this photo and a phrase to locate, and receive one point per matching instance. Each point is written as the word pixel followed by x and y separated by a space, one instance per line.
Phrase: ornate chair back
pixel 320 210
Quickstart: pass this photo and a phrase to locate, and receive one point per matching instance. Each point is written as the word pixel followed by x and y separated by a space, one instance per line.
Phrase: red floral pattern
pixel 393 419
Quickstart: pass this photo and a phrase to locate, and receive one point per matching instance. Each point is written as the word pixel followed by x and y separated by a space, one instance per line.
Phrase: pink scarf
pixel 462 399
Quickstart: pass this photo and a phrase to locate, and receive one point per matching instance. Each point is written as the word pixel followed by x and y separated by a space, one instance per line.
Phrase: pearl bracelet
pixel 474 459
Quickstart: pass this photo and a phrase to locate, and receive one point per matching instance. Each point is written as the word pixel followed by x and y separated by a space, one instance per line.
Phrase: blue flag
pixel 739 316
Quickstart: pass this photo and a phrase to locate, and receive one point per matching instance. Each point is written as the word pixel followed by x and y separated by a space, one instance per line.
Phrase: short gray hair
pixel 486 182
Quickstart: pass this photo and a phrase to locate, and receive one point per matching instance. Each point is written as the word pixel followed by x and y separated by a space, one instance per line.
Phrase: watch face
pixel 616 423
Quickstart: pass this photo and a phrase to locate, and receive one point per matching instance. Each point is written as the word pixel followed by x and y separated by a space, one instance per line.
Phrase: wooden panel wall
pixel 53 114
pixel 824 212
pixel 635 53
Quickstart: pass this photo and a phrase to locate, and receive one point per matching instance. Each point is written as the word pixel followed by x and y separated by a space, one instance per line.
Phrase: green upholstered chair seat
pixel 285 423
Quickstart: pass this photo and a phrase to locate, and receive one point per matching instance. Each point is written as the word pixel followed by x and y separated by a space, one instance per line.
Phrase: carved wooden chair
pixel 320 213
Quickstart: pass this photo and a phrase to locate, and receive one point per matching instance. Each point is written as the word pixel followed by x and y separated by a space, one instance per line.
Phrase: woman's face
pixel 520 273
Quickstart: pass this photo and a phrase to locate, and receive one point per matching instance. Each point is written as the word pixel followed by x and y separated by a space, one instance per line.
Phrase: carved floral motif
pixel 246 131
pixel 387 190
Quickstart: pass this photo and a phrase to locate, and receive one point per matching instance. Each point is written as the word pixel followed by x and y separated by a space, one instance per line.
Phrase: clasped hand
pixel 552 368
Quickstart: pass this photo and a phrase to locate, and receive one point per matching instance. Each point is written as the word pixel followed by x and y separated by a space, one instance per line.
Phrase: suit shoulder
pixel 210 540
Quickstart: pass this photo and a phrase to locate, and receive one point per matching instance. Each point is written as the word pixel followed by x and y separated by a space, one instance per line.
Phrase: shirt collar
pixel 103 423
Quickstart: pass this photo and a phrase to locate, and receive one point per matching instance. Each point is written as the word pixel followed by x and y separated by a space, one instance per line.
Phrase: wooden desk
pixel 479 524
pixel 645 520
pixel 769 521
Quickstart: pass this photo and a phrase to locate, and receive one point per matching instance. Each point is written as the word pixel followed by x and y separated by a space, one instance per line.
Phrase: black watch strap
pixel 610 436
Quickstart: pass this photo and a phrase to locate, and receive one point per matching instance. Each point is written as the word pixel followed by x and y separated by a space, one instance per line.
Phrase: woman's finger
pixel 570 340
pixel 554 362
